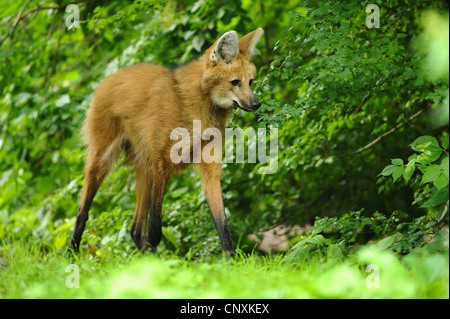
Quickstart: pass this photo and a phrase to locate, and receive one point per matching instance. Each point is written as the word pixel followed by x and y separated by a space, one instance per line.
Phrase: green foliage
pixel 428 171
pixel 343 96
pixel 344 235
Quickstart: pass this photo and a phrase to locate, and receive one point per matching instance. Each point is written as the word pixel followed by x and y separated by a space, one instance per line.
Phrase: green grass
pixel 27 272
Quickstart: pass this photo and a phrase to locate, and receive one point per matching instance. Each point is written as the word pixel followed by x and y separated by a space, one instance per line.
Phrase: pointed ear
pixel 226 48
pixel 247 44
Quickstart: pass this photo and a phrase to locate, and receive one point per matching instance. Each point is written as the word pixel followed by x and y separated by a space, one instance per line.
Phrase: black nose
pixel 254 104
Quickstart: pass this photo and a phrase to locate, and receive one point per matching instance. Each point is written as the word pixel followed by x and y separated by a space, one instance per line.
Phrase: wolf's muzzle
pixel 254 105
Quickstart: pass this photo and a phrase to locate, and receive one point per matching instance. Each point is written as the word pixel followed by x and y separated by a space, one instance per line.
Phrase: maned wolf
pixel 135 111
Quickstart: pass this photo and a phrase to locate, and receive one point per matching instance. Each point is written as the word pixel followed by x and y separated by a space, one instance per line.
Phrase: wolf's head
pixel 229 74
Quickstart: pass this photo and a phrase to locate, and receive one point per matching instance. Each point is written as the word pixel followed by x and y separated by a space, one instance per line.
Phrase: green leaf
pixel 429 146
pixel 298 254
pixel 22 98
pixel 412 158
pixel 397 161
pixel 441 213
pixel 316 240
pixel 440 182
pixel 63 100
pixel 431 173
pixel 398 172
pixel 423 142
pixel 388 170
pixel 198 42
pixel 385 243
pixel 319 227
pixel 441 196
pixel 197 5
pixel 409 171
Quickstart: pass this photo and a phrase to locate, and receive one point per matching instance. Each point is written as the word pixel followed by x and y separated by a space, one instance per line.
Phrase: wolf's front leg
pixel 213 190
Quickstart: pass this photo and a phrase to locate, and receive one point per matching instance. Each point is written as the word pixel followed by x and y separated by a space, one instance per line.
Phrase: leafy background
pixel 362 116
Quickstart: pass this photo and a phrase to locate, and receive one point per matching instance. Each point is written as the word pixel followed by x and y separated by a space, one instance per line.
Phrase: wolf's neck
pixel 197 103
pixel 188 81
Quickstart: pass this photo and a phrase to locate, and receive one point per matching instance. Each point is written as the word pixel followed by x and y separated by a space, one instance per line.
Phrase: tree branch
pixel 16 21
pixel 379 138
pixel 21 15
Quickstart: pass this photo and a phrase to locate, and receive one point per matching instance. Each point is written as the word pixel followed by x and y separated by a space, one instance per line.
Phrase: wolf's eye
pixel 236 83
pixel 251 82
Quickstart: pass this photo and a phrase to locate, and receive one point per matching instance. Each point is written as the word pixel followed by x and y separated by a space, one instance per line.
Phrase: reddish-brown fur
pixel 135 110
